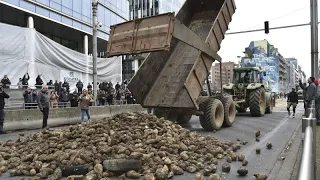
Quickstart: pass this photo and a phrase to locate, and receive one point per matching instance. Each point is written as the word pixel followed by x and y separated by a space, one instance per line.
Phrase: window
pixel 42 11
pixel 55 16
pixel 67 3
pixel 55 6
pixel 77 6
pixel 86 8
pixel 66 21
pixel 67 10
pixel 44 2
pixel 28 6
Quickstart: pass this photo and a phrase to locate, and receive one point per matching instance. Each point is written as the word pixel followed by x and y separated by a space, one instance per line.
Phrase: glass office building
pixel 68 22
pixel 145 8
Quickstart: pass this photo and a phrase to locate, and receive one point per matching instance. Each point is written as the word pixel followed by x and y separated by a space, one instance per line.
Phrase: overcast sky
pixel 291 42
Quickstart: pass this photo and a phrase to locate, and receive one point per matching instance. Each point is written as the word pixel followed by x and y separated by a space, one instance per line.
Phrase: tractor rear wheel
pixel 213 114
pixel 229 111
pixel 257 102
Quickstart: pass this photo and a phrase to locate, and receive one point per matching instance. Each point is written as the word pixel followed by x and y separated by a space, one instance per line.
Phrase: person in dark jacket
pixel 50 84
pixel 89 87
pixel 64 98
pixel 6 82
pixel 57 87
pixel 292 101
pixel 79 86
pixel 39 81
pixel 66 86
pixel 74 99
pixel 25 80
pixel 3 96
pixel 27 95
pixel 44 105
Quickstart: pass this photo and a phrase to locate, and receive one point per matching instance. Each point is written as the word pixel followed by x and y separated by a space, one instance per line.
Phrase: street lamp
pixel 94 47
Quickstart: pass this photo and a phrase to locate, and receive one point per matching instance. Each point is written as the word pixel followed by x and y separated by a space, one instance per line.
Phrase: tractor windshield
pixel 244 77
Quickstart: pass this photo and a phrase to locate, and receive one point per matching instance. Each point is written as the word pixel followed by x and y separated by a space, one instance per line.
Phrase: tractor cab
pixel 248 75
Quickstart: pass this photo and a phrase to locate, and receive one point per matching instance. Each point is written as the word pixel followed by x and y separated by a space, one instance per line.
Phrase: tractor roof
pixel 247 69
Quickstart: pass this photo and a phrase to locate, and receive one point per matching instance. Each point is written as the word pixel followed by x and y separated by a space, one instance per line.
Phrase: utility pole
pixel 314 38
pixel 94 47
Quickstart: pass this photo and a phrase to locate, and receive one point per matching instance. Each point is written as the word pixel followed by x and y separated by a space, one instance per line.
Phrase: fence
pixel 308 160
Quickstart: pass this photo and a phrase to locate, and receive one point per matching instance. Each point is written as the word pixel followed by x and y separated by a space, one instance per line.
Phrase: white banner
pixel 71 77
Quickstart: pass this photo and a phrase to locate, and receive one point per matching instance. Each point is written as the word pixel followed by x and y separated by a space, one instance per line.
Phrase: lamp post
pixel 94 47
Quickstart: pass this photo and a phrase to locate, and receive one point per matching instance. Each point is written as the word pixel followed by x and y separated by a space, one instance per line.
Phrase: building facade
pixel 141 9
pixel 68 22
pixel 227 74
pixel 264 55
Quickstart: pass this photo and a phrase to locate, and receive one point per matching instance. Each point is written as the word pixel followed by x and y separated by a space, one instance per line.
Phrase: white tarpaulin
pixel 24 50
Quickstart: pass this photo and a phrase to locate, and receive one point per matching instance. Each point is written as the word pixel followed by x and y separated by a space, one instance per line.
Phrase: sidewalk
pixel 318 153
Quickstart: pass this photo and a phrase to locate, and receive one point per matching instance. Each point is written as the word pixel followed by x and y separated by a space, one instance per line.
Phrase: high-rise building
pixel 141 9
pixel 226 72
pixel 294 61
pixel 68 22
pixel 264 55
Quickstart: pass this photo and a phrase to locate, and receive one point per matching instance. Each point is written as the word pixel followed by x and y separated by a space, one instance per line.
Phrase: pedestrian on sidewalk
pixel 85 101
pixel 44 104
pixel 310 94
pixel 3 96
pixel 292 101
pixel 317 100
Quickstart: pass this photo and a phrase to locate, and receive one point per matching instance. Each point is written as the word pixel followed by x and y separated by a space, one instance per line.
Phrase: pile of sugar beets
pixel 132 145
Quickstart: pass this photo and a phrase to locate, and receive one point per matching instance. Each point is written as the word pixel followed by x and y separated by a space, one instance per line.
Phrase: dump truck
pixel 181 51
pixel 250 90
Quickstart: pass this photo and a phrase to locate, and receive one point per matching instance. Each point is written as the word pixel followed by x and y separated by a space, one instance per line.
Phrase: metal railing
pixel 307 169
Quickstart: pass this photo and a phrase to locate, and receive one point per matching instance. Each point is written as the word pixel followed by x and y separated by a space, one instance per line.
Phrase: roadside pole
pixel 94 47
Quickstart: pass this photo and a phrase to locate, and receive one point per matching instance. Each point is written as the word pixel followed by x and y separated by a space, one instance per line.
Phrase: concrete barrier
pixel 32 118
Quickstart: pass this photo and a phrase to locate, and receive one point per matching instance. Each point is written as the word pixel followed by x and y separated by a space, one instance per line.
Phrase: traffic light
pixel 266 27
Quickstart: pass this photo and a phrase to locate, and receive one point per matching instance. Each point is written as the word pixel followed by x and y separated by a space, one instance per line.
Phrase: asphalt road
pixel 276 128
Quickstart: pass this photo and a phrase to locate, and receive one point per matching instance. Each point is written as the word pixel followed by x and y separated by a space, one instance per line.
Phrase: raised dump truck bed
pixel 174 78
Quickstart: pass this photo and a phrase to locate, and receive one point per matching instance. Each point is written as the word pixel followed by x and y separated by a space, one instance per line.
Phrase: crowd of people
pixel 311 93
pixel 60 95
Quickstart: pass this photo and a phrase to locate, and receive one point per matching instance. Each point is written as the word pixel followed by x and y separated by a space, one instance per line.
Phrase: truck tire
pixel 241 110
pixel 229 111
pixel 122 165
pixel 269 107
pixel 183 119
pixel 213 114
pixel 257 102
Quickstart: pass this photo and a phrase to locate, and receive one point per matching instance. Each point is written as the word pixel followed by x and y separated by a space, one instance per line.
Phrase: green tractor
pixel 251 91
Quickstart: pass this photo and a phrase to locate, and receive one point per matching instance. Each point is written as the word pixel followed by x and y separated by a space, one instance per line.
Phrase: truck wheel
pixel 257 102
pixel 213 114
pixel 269 108
pixel 241 110
pixel 183 119
pixel 229 111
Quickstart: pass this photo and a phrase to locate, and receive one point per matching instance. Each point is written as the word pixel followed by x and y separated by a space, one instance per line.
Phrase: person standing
pixel 310 94
pixel 85 101
pixel 317 101
pixel 292 101
pixel 27 95
pixel 44 104
pixel 79 86
pixel 3 96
